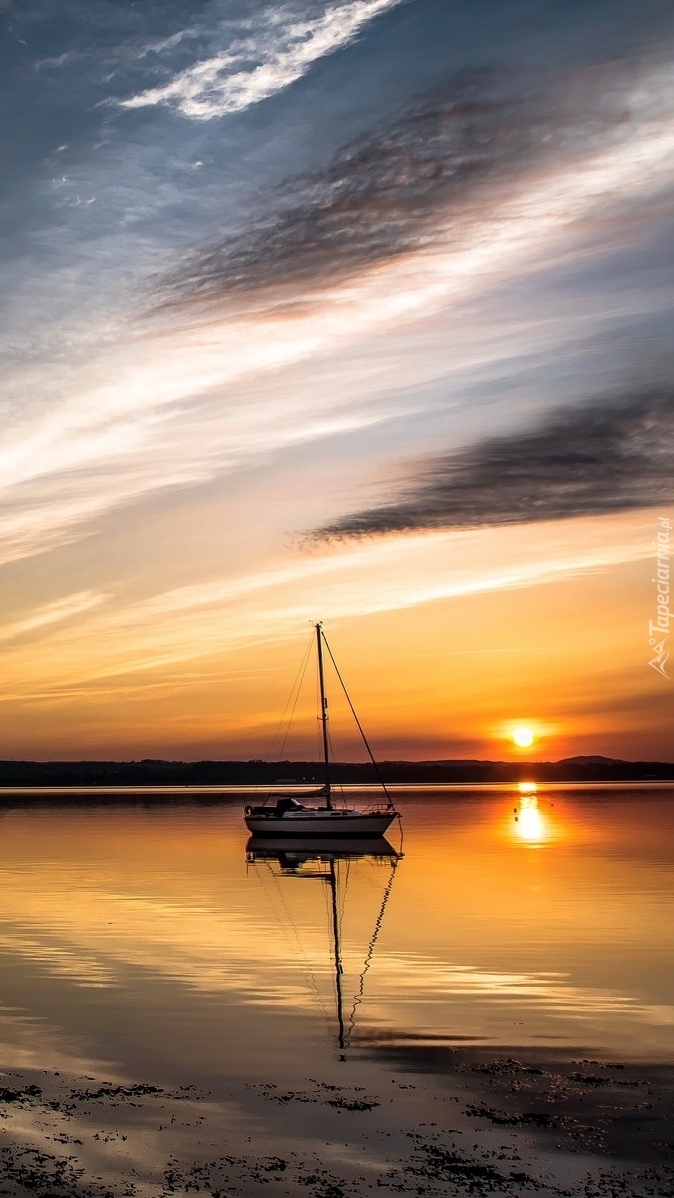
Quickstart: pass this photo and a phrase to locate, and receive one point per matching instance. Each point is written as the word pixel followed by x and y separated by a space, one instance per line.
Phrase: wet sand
pixel 475 1122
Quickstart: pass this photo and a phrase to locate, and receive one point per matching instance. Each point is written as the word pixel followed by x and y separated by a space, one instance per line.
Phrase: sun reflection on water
pixel 527 788
pixel 530 822
pixel 532 825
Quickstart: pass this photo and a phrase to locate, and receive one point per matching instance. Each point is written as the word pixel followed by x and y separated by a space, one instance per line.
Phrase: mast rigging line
pixel 353 713
pixel 295 691
pixel 324 714
pixel 358 998
pixel 304 959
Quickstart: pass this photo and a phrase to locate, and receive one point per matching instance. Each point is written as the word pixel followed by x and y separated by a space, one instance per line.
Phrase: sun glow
pixel 523 737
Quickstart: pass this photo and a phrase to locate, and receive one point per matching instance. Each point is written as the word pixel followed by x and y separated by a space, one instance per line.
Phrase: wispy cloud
pixel 252 69
pixel 200 392
pixel 605 457
pixel 51 613
pixel 225 615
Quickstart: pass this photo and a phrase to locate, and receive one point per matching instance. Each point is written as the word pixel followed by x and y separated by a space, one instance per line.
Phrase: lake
pixel 139 939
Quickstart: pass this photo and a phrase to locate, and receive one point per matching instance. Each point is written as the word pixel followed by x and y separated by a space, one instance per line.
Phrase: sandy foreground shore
pixel 492 1124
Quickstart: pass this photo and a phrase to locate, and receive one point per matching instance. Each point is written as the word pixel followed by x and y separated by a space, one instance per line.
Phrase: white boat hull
pixel 320 823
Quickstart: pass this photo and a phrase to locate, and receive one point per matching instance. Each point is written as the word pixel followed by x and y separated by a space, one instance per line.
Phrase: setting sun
pixel 523 737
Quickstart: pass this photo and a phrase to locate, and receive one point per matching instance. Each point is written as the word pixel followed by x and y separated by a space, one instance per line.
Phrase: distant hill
pixel 592 760
pixel 157 773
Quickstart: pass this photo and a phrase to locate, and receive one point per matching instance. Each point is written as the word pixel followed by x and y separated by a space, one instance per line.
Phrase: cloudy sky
pixel 352 310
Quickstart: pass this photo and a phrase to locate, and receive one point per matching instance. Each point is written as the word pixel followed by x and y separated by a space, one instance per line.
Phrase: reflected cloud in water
pixel 122 930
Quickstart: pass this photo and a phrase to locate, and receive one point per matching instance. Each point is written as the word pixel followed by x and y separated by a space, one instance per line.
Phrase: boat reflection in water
pixel 290 854
pixel 321 860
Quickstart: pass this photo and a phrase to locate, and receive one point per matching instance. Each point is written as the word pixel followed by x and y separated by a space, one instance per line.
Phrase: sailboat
pixel 294 859
pixel 289 815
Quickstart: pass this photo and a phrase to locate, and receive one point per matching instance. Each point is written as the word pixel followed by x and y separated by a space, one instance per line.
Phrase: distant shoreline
pixel 156 774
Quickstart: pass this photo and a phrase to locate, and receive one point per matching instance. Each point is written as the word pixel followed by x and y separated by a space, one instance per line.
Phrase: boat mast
pixel 324 715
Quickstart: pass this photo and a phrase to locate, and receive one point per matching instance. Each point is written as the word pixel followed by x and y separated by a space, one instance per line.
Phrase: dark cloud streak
pixel 446 160
pixel 608 456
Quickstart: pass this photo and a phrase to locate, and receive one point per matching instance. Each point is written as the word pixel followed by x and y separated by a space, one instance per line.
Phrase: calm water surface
pixel 139 940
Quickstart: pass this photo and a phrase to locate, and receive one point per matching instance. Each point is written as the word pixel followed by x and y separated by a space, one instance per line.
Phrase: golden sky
pixel 448 642
pixel 361 317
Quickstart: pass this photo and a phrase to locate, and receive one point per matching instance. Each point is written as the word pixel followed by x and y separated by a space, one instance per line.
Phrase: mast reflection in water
pixel 320 861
